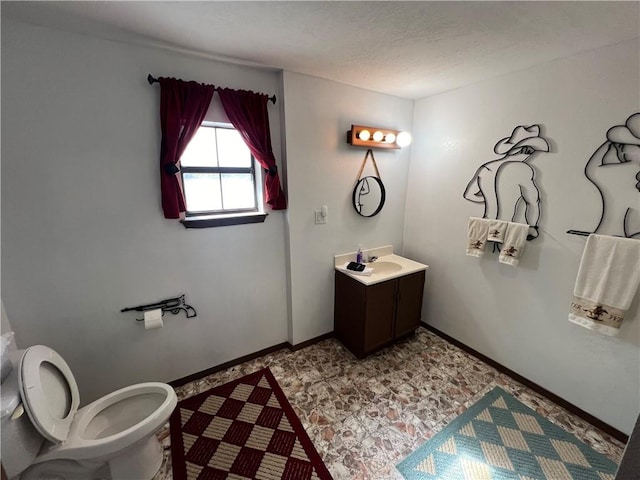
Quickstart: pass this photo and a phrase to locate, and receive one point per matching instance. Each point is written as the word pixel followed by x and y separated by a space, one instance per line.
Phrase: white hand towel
pixel 478 230
pixel 366 272
pixel 515 239
pixel 607 281
pixel 497 229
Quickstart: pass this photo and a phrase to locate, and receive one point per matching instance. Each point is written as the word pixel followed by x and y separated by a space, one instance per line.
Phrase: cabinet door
pixel 349 313
pixel 380 309
pixel 409 308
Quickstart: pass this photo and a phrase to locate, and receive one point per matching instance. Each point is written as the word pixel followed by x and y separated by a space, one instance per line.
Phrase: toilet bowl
pixel 112 437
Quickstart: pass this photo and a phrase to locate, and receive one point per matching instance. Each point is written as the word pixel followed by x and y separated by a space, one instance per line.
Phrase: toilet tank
pixel 21 442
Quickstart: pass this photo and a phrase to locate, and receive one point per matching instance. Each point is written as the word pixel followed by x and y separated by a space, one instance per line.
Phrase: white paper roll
pixel 153 319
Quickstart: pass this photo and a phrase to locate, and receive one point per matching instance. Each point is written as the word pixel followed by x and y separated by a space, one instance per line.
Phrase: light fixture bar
pixel 372 137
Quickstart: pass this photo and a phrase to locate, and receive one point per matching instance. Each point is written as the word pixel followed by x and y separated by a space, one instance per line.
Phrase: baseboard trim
pixel 231 363
pixel 308 343
pixel 605 427
pixel 246 358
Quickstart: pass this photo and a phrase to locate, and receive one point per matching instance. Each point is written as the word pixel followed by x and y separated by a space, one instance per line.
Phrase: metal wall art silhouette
pixel 614 169
pixel 507 186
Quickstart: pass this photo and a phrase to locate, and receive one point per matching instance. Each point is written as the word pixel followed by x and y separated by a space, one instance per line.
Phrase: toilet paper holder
pixel 172 305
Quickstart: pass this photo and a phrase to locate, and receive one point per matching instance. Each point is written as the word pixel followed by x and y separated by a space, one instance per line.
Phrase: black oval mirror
pixel 368 196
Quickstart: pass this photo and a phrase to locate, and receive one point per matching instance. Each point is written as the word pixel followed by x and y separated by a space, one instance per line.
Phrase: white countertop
pixel 391 266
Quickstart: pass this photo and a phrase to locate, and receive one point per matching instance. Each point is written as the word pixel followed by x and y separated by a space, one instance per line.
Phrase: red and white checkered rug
pixel 242 430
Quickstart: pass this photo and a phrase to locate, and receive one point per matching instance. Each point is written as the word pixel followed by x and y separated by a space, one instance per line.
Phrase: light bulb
pixel 403 139
pixel 390 137
pixel 378 136
pixel 364 135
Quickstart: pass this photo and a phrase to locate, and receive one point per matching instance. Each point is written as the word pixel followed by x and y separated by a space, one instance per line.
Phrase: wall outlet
pixel 320 218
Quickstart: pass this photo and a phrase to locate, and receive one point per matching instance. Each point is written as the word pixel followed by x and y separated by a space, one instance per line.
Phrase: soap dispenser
pixel 359 258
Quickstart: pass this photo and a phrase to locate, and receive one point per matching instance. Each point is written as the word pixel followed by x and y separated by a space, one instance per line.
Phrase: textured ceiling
pixel 408 49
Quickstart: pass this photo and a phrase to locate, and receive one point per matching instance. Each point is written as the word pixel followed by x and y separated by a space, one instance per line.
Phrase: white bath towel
pixel 478 230
pixel 515 239
pixel 497 229
pixel 607 281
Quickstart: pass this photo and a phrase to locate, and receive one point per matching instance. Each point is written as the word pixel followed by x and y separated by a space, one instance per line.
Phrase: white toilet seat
pixel 112 437
pixel 49 392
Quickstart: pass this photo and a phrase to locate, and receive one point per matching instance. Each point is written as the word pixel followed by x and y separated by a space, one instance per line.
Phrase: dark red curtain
pixel 247 111
pixel 183 106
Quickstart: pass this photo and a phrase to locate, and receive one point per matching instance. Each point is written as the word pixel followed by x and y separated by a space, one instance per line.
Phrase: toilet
pixel 112 437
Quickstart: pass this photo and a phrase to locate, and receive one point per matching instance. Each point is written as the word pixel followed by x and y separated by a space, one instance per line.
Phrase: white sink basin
pixel 385 267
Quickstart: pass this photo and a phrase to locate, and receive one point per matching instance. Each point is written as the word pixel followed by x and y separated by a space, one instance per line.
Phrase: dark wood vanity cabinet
pixel 367 318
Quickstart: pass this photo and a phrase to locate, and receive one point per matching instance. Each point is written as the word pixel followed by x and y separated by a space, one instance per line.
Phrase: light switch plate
pixel 320 218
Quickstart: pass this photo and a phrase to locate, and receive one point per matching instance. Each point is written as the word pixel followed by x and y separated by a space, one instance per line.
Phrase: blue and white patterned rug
pixel 500 438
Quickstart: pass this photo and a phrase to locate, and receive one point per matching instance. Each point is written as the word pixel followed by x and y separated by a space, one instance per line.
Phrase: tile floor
pixel 365 416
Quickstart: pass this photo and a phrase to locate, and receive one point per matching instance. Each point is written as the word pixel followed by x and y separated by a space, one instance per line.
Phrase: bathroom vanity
pixel 373 311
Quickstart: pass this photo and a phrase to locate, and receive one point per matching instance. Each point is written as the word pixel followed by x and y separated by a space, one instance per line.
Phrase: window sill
pixel 223 220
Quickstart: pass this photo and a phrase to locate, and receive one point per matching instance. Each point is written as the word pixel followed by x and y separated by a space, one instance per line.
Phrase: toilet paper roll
pixel 153 319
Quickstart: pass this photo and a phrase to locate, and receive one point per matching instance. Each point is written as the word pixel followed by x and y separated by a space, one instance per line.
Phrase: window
pixel 220 180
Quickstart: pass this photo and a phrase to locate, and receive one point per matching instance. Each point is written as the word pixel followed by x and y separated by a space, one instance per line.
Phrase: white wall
pixel 322 170
pixel 518 316
pixel 83 233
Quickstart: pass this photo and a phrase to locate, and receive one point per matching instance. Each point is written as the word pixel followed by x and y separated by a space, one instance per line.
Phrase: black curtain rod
pixel 152 80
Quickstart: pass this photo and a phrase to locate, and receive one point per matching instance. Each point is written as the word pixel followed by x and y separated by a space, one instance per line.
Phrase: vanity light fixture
pixel 375 137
